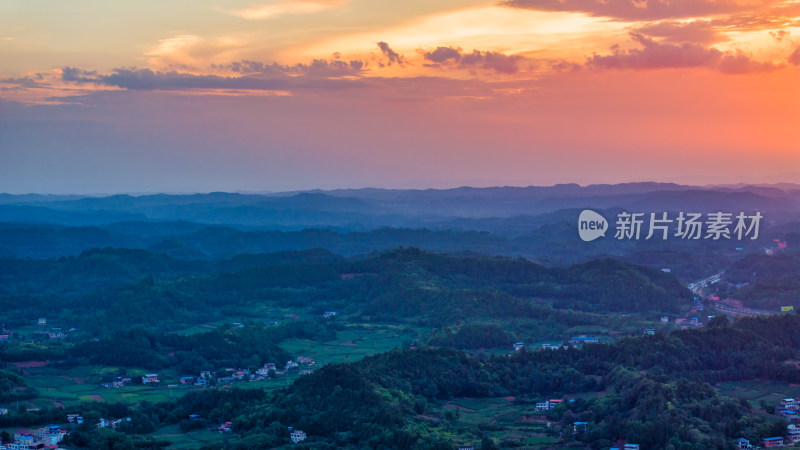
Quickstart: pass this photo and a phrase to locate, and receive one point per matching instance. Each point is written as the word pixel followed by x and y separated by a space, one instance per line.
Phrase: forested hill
pixel 489 285
pixel 118 289
pixel 652 390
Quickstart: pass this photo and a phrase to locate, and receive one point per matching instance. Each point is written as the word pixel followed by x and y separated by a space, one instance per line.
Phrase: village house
pixel 50 435
pixel 298 436
pixel 631 447
pixel 187 380
pixel 772 442
pixel 649 331
pixel 150 378
pixel 548 405
pixel 578 427
pixel 75 418
pixel 743 444
pixel 225 427
pixel 794 433
pixel 519 346
pixel 329 314
pixel 788 404
pixel 583 339
pixel 42 322
pixel 107 423
pixel 264 371
pixel 44 437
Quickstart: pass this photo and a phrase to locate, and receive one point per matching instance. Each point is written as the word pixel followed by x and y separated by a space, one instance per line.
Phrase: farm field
pixel 353 343
pixel 59 386
pixel 506 422
pixel 757 391
pixel 181 440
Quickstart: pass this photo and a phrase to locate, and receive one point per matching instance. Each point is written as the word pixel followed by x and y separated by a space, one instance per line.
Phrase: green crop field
pixel 353 343
pixel 509 423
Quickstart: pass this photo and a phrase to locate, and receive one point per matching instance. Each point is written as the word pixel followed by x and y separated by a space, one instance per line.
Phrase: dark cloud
pixel 393 56
pixel 740 62
pixel 794 58
pixel 644 9
pixel 779 35
pixel 147 79
pixel 320 73
pixel 496 61
pixel 655 55
pixel 697 31
pixel 444 54
pixel 25 82
pixel 79 75
pixel 318 68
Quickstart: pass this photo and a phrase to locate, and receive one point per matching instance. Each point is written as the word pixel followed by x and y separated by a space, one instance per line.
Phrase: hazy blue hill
pixel 91 270
pixel 45 214
pixel 303 257
pixel 366 209
pixel 705 200
pixel 153 229
pixel 35 198
pixel 762 267
pixel 686 266
pixel 47 241
pixel 177 249
pixel 226 242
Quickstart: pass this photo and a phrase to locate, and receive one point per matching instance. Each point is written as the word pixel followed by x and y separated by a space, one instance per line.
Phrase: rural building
pixel 583 339
pixel 772 442
pixel 150 378
pixel 298 436
pixel 794 433
pixel 744 444
pixel 788 403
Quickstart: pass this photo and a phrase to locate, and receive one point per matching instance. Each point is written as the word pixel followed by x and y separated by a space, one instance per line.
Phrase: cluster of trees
pixel 471 336
pixel 103 291
pixel 246 347
pixel 13 387
pixel 657 390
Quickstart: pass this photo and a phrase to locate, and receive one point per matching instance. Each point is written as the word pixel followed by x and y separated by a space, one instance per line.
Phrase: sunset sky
pixel 101 96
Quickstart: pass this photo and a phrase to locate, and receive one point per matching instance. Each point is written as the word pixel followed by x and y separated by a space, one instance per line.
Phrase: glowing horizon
pixel 247 96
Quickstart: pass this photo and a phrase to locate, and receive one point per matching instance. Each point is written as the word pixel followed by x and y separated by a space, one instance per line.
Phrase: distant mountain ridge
pixel 370 208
